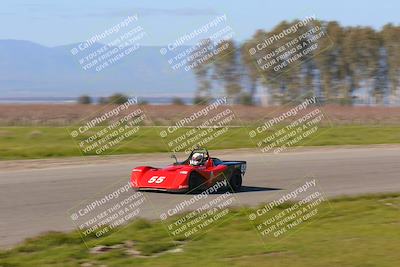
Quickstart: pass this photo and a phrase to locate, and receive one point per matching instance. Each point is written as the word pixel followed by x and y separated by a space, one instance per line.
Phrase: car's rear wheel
pixel 235 182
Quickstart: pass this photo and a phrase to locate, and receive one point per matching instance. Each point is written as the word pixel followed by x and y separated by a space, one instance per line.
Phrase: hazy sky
pixel 60 22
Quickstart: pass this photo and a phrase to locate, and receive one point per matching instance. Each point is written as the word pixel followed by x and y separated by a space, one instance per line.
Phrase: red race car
pixel 198 172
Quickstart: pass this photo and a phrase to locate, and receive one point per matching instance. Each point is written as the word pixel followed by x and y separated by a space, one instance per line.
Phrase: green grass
pixel 46 142
pixel 360 231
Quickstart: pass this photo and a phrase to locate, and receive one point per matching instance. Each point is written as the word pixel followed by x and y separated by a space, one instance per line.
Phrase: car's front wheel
pixel 195 182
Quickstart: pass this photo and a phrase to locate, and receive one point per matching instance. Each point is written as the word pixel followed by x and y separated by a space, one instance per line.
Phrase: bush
pixel 102 100
pixel 84 99
pixel 177 101
pixel 113 99
pixel 246 99
pixel 199 100
pixel 118 99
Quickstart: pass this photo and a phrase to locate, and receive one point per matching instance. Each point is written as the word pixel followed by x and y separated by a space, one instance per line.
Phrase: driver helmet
pixel 197 159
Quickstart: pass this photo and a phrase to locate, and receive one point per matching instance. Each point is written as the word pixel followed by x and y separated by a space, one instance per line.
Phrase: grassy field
pixel 360 231
pixel 67 114
pixel 44 142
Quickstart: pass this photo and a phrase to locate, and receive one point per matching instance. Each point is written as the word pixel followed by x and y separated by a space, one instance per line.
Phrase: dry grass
pixel 66 114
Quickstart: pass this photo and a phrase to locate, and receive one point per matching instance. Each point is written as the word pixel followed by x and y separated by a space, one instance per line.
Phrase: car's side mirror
pixel 173 156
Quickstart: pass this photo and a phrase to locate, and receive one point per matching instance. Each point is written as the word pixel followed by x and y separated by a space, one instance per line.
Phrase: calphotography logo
pixel 201 212
pixel 203 44
pixel 205 126
pixel 109 129
pixel 290 211
pixel 290 128
pixel 275 53
pixel 108 211
pixel 121 40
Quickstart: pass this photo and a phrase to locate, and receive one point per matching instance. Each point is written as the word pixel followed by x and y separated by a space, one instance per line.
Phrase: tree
pixel 118 99
pixel 143 102
pixel 198 100
pixel 177 101
pixel 390 36
pixel 347 60
pixel 202 69
pixel 226 69
pixel 85 99
pixel 250 69
pixel 381 81
pixel 246 99
pixel 331 63
pixel 102 100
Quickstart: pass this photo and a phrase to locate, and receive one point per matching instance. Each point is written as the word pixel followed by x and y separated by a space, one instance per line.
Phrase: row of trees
pixel 352 65
pixel 117 98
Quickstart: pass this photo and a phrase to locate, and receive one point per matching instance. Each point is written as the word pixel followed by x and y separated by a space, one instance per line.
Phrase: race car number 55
pixel 156 179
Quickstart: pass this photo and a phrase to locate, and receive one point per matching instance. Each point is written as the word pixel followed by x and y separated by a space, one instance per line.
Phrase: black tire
pixel 195 182
pixel 235 182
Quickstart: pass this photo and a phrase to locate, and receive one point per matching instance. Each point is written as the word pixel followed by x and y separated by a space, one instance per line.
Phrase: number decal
pixel 156 179
pixel 160 179
pixel 152 179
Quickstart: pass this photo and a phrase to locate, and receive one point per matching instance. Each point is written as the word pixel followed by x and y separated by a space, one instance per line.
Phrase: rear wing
pixel 237 164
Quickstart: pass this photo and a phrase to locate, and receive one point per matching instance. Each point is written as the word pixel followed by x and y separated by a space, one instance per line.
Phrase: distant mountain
pixel 31 70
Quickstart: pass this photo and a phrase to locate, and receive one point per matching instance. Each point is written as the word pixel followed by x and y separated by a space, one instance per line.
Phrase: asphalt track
pixel 35 196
